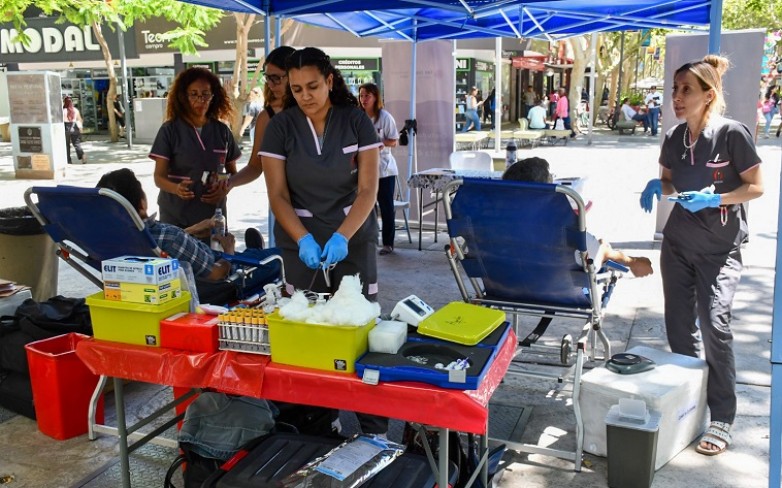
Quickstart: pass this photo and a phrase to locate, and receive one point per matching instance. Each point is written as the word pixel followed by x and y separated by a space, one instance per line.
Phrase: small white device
pixel 411 310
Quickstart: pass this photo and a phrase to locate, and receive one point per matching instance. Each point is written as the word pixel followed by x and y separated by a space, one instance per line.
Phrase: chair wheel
pixel 565 348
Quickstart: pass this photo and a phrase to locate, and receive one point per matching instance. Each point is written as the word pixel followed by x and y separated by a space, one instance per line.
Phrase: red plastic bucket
pixel 62 386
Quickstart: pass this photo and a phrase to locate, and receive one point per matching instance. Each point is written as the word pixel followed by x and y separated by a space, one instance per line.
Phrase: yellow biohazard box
pixel 132 323
pixel 138 293
pixel 327 347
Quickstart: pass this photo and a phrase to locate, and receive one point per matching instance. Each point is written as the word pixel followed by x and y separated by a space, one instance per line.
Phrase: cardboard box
pixel 189 332
pixel 140 269
pixel 676 388
pixel 132 323
pixel 138 293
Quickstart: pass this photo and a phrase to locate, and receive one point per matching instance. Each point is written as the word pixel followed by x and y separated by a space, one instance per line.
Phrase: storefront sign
pixel 51 42
pixel 483 66
pixel 151 37
pixel 30 140
pixel 357 64
pixel 462 64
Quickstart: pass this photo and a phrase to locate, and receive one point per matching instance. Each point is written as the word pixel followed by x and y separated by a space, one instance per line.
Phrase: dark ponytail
pixel 339 95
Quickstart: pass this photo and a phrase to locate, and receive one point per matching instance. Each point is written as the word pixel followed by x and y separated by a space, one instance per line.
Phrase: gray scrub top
pixel 723 152
pixel 194 155
pixel 322 180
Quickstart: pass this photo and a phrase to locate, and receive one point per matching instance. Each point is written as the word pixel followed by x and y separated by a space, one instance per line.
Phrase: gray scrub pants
pixel 702 286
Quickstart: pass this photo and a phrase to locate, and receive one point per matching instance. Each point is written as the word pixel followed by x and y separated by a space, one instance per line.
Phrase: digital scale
pixel 411 310
pixel 627 363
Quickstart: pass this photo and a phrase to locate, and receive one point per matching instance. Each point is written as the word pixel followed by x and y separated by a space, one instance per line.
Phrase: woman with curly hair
pixel 193 149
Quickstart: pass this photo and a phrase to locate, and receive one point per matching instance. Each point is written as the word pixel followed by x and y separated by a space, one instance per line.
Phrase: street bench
pixel 623 125
pixel 553 136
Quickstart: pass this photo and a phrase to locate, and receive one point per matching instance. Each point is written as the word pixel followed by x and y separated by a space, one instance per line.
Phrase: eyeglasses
pixel 274 79
pixel 204 96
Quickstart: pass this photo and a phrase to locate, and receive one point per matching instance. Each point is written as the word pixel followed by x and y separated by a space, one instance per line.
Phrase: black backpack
pixel 34 321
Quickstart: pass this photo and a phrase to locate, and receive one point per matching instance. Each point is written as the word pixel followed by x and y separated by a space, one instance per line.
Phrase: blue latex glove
pixel 336 250
pixel 309 251
pixel 653 189
pixel 695 201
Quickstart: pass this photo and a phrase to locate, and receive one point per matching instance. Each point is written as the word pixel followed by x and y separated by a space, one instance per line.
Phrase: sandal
pixel 718 435
pixel 386 250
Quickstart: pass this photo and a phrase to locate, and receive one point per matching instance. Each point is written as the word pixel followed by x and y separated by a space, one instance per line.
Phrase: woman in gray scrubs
pixel 711 162
pixel 320 158
pixel 194 150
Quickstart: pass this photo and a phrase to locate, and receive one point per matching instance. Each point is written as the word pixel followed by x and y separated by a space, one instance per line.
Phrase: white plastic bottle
pixel 510 154
pixel 219 229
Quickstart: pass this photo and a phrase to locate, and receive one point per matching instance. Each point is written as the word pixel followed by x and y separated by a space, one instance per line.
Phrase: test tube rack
pixel 244 330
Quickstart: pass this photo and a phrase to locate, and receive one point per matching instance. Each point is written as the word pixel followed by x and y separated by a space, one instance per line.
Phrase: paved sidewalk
pixel 616 168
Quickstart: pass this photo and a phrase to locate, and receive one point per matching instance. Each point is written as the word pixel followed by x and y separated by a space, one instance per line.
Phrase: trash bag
pixel 19 221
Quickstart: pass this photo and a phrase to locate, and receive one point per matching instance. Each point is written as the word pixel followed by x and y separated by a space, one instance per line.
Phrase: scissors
pixel 326 276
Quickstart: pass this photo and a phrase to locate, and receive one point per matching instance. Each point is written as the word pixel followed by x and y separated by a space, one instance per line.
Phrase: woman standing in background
pixel 274 96
pixel 73 125
pixel 371 103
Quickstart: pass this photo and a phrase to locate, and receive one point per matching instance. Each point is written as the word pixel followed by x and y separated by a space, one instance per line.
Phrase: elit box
pixel 137 293
pixel 140 269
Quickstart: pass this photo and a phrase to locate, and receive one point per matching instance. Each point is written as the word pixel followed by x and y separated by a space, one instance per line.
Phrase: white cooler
pixel 676 388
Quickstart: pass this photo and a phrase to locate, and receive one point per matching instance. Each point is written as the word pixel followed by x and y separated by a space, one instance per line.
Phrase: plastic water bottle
pixel 219 229
pixel 510 154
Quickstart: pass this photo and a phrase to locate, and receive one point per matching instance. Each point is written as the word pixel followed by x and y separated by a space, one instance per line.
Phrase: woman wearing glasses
pixel 274 102
pixel 320 157
pixel 194 150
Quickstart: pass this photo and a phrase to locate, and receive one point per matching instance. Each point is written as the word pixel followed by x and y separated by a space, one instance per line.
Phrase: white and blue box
pixel 140 269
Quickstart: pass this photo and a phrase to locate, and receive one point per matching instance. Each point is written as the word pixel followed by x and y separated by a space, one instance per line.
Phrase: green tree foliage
pixel 752 14
pixel 192 21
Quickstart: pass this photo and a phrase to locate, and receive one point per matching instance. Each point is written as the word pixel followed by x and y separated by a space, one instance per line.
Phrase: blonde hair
pixel 708 72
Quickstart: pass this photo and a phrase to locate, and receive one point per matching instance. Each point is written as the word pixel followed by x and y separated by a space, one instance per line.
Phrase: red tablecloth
pixel 256 376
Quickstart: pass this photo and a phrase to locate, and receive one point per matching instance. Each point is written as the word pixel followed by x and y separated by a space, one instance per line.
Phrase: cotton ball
pixel 348 306
pixel 297 308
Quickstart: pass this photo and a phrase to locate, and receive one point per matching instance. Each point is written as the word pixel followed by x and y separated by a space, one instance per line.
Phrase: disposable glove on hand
pixel 653 189
pixel 695 201
pixel 309 251
pixel 336 249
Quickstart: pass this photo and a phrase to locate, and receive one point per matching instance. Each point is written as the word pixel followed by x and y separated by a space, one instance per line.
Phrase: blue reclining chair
pixel 516 242
pixel 89 225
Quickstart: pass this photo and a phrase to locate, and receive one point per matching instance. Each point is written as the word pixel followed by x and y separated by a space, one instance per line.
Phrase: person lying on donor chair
pixel 536 170
pixel 208 266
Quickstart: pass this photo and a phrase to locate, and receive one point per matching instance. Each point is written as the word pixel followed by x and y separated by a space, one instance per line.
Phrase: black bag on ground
pixel 57 315
pixel 34 321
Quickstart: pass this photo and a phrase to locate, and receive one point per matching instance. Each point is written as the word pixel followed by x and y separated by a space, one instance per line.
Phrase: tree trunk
pixel 580 47
pixel 113 131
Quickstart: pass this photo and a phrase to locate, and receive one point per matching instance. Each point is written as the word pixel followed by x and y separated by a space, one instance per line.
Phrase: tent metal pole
pixel 277 31
pixel 411 148
pixel 267 26
pixel 497 94
pixel 592 79
pixel 715 26
pixel 621 63
pixel 125 100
